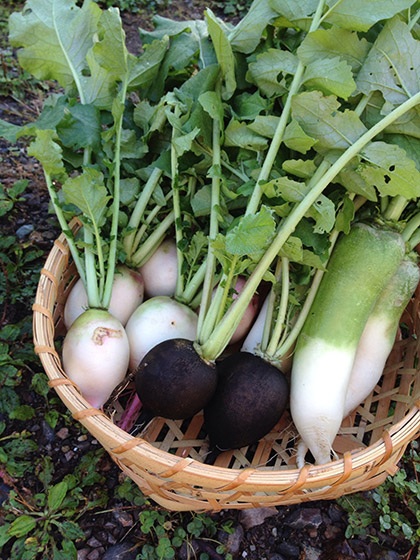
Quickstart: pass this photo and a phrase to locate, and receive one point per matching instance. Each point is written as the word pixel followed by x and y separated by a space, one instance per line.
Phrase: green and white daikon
pixel 379 334
pixel 359 269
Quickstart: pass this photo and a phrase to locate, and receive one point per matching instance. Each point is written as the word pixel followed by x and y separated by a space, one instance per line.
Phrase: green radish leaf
pixel 144 71
pixel 323 212
pixel 331 76
pixel 247 34
pixel 292 249
pixel 100 87
pixel 390 170
pixel 333 42
pixel 295 14
pixel 392 65
pixel 408 124
pixel 201 201
pixel 265 71
pixel 47 152
pixel 248 106
pixel 309 258
pixel 265 125
pixel 303 168
pixel 354 182
pixel 360 15
pixel 183 143
pixel 224 54
pixel 345 216
pixel 129 190
pixel 21 526
pixel 54 37
pixel 321 118
pixel 88 193
pixel 410 145
pixel 296 138
pixel 10 131
pixel 110 51
pixel 212 104
pixel 240 135
pixel 252 234
pixel 56 495
pixel 81 128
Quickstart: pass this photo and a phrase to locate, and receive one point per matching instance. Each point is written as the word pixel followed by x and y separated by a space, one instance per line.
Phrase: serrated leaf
pixel 252 234
pixel 345 216
pixel 333 42
pixel 48 152
pixel 88 193
pixel 353 182
pixel 21 526
pixel 410 145
pixel 292 249
pixel 393 64
pixel 266 69
pixel 146 68
pixel 248 106
pixel 390 170
pixel 81 128
pixel 265 125
pixel 303 168
pixel 240 135
pixel 56 495
pixel 297 14
pixel 183 143
pixel 360 15
pixel 54 37
pixel 321 118
pixel 331 76
pixel 224 54
pixel 247 34
pixel 296 138
pixel 212 104
pixel 110 51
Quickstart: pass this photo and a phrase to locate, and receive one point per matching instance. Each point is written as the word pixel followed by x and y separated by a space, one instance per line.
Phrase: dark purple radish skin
pixel 172 380
pixel 250 399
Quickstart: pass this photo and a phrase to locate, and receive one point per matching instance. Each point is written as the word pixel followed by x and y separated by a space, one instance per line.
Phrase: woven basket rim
pixel 392 443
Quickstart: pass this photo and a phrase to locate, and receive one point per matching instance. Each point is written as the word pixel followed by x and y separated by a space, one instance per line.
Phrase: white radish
pixel 359 269
pixel 160 270
pixel 158 319
pixel 127 295
pixel 379 334
pixel 96 354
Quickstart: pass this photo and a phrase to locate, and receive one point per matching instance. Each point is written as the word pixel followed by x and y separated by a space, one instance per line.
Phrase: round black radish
pixel 249 400
pixel 172 380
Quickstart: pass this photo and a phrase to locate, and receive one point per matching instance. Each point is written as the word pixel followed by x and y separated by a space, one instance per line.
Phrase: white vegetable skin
pixel 127 295
pixel 317 387
pixel 95 355
pixel 254 336
pixel 372 352
pixel 158 319
pixel 160 271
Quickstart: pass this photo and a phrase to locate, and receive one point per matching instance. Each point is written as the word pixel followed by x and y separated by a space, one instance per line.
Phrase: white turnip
pixel 96 354
pixel 160 270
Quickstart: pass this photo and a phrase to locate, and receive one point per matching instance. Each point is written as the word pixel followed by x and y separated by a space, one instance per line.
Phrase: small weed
pixel 394 507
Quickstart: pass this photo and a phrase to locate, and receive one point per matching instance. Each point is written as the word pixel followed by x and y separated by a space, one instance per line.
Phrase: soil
pixel 313 531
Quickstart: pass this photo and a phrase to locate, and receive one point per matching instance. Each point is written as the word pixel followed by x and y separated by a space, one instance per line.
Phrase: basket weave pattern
pixel 166 459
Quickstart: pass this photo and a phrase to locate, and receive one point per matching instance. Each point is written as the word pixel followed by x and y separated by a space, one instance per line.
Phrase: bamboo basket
pixel 166 459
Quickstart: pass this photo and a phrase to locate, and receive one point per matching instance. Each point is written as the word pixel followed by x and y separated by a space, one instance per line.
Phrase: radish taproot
pixel 379 334
pixel 359 269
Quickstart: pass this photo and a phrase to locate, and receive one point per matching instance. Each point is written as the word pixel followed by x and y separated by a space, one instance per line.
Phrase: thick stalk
pixel 112 257
pixel 213 231
pixel 270 307
pixel 395 208
pixel 224 330
pixel 281 316
pixel 129 242
pixel 177 212
pixel 65 228
pixel 152 242
pixel 194 284
pixel 411 227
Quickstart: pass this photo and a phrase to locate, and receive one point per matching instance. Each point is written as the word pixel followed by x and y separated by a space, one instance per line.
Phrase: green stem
pixel 414 240
pixel 112 257
pixel 194 284
pixel 150 217
pixel 65 228
pixel 177 212
pixel 213 231
pixel 395 208
pixel 224 330
pixel 414 20
pixel 129 242
pixel 152 242
pixel 411 227
pixel 281 316
pixel 270 307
